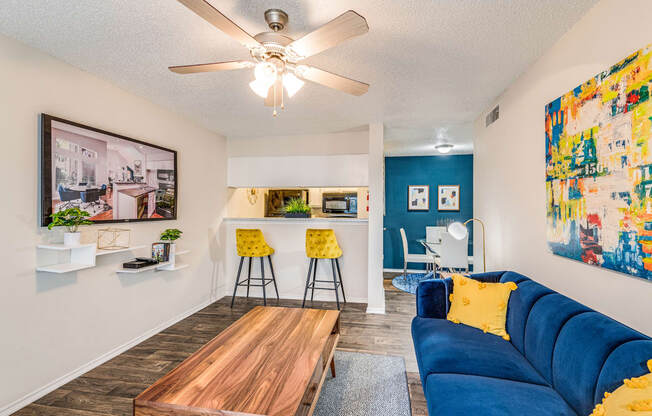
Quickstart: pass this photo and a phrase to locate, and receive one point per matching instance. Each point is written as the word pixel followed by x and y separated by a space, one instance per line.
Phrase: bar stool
pixel 251 243
pixel 322 244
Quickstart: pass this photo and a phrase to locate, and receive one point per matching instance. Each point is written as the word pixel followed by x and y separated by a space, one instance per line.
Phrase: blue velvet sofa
pixel 561 359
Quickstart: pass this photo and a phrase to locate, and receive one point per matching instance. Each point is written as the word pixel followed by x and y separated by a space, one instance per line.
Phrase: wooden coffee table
pixel 272 361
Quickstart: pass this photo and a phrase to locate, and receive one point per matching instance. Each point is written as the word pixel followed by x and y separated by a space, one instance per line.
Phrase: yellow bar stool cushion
pixel 322 244
pixel 251 243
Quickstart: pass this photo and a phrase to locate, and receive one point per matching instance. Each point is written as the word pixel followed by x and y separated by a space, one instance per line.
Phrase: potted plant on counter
pixel 70 218
pixel 297 208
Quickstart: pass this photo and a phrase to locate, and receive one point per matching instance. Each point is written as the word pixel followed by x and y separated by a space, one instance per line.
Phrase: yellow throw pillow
pixel 634 397
pixel 480 305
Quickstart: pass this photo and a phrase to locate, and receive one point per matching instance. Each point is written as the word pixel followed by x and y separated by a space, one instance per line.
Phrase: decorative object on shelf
pixel 459 231
pixel 252 196
pixel 161 251
pixel 598 167
pixel 448 197
pixel 70 218
pixel 139 263
pixel 418 197
pixel 171 234
pixel 297 208
pixel 113 238
pixel 276 56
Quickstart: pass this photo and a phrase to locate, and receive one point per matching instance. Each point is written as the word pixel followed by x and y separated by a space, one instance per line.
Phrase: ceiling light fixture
pixel 292 84
pixel 444 148
pixel 275 56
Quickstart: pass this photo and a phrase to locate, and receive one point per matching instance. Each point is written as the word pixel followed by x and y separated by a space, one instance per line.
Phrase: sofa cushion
pixel 520 303
pixel 457 394
pixel 583 347
pixel 480 305
pixel 626 361
pixel 444 347
pixel 547 317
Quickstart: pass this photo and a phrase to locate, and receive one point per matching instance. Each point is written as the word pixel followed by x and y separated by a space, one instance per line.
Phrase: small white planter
pixel 71 239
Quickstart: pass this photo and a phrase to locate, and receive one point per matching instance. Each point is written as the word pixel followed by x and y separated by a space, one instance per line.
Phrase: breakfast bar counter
pixel 287 236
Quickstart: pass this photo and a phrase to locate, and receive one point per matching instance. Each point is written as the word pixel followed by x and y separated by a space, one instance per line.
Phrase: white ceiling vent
pixel 492 116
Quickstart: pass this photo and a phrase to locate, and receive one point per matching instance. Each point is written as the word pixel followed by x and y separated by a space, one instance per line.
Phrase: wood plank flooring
pixel 110 388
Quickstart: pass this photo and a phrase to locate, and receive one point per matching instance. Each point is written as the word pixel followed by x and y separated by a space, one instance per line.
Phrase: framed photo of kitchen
pixel 112 177
pixel 418 198
pixel 448 198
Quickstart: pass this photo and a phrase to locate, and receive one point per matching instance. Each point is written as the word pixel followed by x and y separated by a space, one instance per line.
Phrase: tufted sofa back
pixel 580 352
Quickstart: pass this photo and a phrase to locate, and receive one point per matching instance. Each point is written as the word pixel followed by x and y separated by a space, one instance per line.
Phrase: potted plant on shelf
pixel 70 218
pixel 171 234
pixel 297 208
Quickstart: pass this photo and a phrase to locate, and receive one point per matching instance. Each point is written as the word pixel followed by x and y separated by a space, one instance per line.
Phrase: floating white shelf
pixel 173 267
pixel 62 247
pixel 64 268
pixel 120 250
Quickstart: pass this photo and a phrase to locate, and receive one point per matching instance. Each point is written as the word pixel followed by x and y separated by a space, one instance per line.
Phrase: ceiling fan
pixel 276 56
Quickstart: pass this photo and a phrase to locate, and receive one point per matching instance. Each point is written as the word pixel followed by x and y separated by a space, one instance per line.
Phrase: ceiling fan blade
pixel 212 67
pixel 269 101
pixel 223 23
pixel 331 80
pixel 343 27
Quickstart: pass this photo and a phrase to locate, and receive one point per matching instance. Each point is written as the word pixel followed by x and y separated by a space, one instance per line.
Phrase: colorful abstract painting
pixel 599 169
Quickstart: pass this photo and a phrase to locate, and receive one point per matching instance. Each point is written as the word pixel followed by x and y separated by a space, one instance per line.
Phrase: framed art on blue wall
pixel 448 197
pixel 418 198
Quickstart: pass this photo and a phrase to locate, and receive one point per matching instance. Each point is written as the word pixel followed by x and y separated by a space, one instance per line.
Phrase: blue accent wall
pixel 422 170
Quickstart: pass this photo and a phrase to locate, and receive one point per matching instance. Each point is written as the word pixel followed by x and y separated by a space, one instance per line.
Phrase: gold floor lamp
pixel 459 231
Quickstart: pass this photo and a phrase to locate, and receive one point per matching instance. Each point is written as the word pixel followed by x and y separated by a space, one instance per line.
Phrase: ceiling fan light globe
pixel 265 72
pixel 292 84
pixel 260 87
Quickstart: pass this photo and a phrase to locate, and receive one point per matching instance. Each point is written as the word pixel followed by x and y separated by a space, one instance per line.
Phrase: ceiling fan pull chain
pixel 275 100
pixel 282 98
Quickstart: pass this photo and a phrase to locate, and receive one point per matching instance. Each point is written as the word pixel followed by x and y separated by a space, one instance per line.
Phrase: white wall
pixel 376 294
pixel 53 325
pixel 509 164
pixel 355 142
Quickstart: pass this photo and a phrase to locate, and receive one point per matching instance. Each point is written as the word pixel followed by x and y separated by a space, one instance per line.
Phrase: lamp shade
pixel 458 230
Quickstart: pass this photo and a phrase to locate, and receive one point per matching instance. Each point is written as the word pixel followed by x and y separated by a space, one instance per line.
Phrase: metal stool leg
pixel 262 275
pixel 273 277
pixel 305 293
pixel 337 263
pixel 248 277
pixel 337 295
pixel 237 280
pixel 314 278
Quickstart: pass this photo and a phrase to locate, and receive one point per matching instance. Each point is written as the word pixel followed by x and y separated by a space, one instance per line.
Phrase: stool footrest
pixel 244 282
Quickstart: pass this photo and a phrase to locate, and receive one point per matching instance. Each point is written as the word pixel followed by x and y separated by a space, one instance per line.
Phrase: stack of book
pixel 161 251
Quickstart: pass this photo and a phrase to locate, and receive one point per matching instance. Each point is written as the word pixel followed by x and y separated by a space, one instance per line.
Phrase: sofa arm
pixel 432 298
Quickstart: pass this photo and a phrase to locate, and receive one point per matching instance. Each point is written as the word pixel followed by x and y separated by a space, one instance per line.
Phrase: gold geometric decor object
pixel 113 238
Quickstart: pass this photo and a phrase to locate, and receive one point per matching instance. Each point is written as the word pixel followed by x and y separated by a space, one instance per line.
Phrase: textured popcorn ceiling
pixel 432 64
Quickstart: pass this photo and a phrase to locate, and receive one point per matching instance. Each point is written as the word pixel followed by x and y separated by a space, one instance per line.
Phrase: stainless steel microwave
pixel 340 203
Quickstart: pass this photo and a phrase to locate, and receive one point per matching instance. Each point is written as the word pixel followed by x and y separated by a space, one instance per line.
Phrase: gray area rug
pixel 366 385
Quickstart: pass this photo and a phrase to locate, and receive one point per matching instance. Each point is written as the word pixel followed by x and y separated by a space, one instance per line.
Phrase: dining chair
pixel 453 253
pixel 428 259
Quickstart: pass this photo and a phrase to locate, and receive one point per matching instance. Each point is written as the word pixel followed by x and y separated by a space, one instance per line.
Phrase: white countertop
pixel 298 220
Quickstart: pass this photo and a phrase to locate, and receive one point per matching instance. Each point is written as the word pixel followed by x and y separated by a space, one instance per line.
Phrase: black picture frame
pixel 45 173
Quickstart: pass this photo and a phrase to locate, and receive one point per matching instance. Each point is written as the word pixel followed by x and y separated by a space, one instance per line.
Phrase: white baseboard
pixel 401 270
pixel 55 384
pixel 377 311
